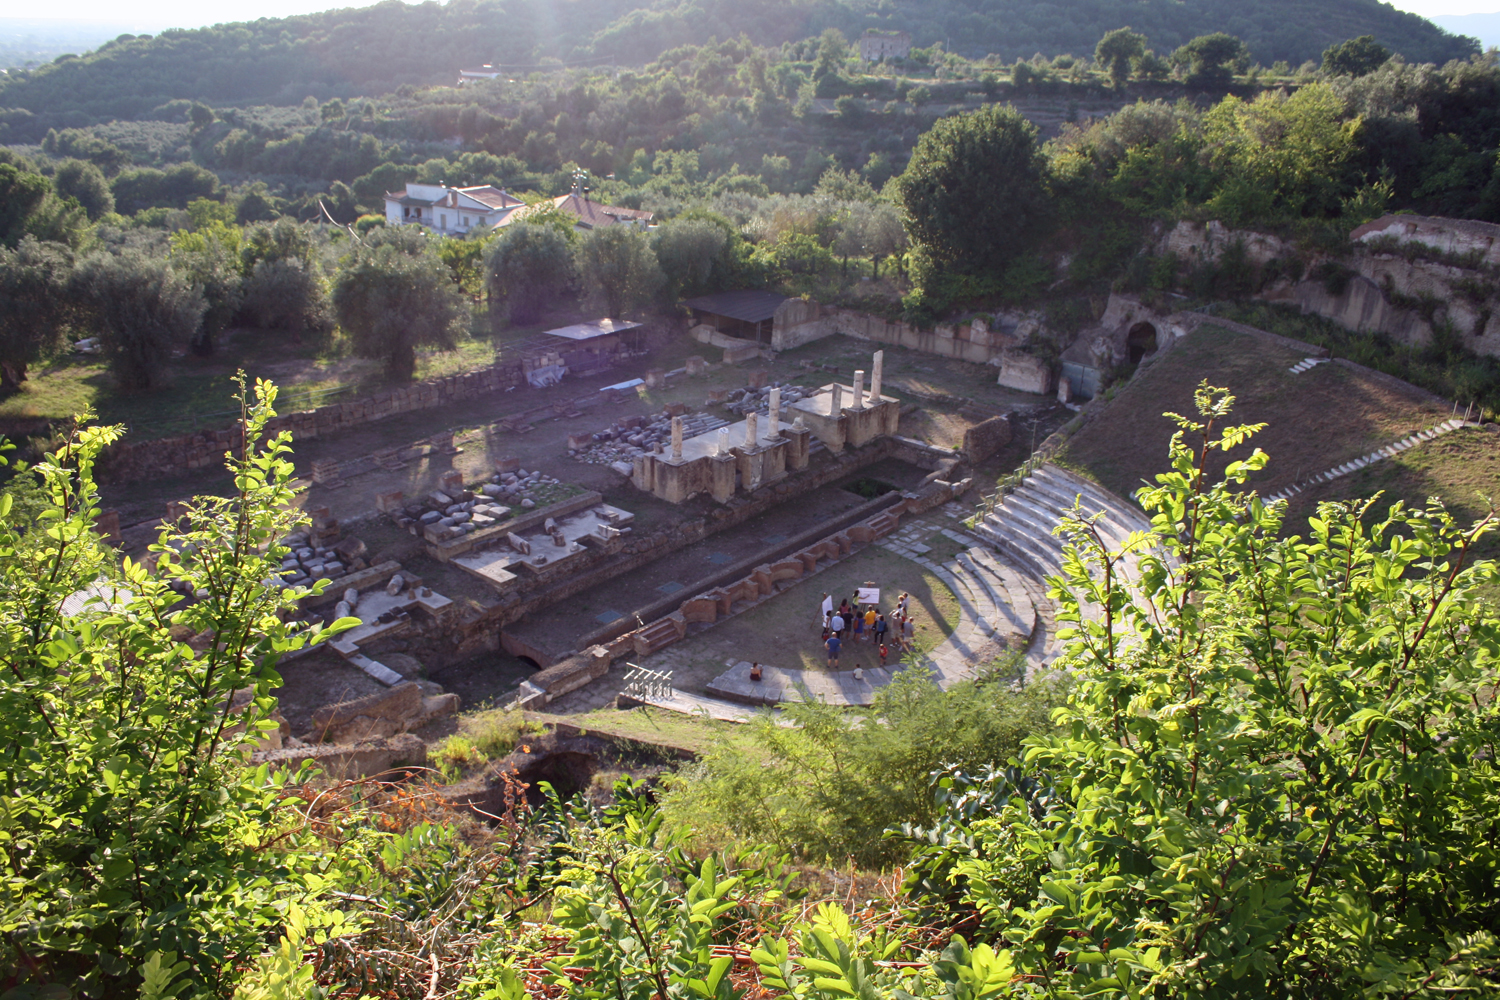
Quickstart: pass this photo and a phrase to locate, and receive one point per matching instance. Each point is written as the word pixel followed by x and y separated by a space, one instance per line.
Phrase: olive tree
pixel 618 268
pixel 1117 50
pixel 141 308
pixel 690 252
pixel 83 181
pixel 390 302
pixel 529 267
pixel 34 304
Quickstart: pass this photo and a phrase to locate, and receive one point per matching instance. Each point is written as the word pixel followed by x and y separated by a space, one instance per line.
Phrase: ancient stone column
pixel 877 371
pixel 723 441
pixel 750 422
pixel 773 425
pixel 836 404
pixel 676 439
pixel 859 389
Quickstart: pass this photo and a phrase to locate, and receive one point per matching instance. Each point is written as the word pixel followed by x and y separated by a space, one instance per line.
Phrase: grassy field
pixel 198 391
pixel 1315 420
pixel 1461 468
pixel 1443 367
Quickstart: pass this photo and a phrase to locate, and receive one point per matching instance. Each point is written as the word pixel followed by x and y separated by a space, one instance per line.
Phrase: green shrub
pixel 830 789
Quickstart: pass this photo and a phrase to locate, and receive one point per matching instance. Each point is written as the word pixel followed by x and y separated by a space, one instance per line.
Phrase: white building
pixel 447 209
pixel 486 72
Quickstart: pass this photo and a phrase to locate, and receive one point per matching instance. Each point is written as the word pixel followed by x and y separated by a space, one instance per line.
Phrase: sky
pixel 1433 8
pixel 156 14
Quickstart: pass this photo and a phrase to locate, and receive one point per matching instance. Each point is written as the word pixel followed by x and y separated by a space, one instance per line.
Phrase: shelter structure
pixel 581 348
pixel 746 315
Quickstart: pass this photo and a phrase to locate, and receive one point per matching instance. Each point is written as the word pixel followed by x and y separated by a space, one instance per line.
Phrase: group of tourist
pixel 857 622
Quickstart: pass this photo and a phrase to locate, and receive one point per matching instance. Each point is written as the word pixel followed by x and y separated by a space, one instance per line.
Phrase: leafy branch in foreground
pixel 1278 769
pixel 130 825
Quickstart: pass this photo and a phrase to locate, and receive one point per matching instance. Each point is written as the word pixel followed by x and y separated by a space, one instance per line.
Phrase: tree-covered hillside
pixel 374 50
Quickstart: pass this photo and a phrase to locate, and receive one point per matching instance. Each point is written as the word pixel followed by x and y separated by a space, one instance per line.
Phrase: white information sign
pixel 869 595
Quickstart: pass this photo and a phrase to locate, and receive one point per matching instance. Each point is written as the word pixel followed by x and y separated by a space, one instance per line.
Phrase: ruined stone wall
pixel 129 460
pixel 801 321
pixel 1447 271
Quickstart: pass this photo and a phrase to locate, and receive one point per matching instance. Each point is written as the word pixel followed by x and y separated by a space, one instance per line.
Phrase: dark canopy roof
pixel 751 307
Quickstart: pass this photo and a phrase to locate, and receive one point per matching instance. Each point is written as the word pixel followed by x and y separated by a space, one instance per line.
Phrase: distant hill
pixel 27 41
pixel 1485 27
pixel 374 50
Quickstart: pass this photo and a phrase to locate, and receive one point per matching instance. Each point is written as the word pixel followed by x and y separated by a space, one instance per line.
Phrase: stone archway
pixel 1140 341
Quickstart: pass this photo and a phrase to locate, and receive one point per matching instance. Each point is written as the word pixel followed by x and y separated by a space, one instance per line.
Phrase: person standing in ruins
pixel 871 617
pixel 833 651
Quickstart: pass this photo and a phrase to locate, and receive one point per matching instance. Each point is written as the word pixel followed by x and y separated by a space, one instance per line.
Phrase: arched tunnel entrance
pixel 1140 341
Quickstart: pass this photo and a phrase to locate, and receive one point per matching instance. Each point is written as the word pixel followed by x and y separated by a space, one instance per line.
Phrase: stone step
pixel 1039 524
pixel 1110 526
pixel 1009 619
pixel 1128 514
pixel 1018 546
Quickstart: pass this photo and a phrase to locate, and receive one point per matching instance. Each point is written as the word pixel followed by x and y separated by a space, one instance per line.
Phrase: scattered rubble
pixel 467 510
pixel 743 402
pixel 625 440
pixel 310 560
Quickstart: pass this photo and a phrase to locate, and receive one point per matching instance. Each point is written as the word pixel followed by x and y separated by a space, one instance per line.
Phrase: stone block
pixel 696 364
pixel 676 409
pixel 507 465
pixel 736 355
pixel 1024 372
pixel 655 378
pixel 383 713
pixel 325 471
pixel 107 527
pixel 579 441
pixel 718 395
pixel 985 438
pixel 390 503
pixel 350 549
pixel 452 482
pixel 787 569
pixel 758 379
pixel 359 760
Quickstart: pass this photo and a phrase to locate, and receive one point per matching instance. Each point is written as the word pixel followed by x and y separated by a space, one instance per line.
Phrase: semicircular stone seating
pixel 1021 528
